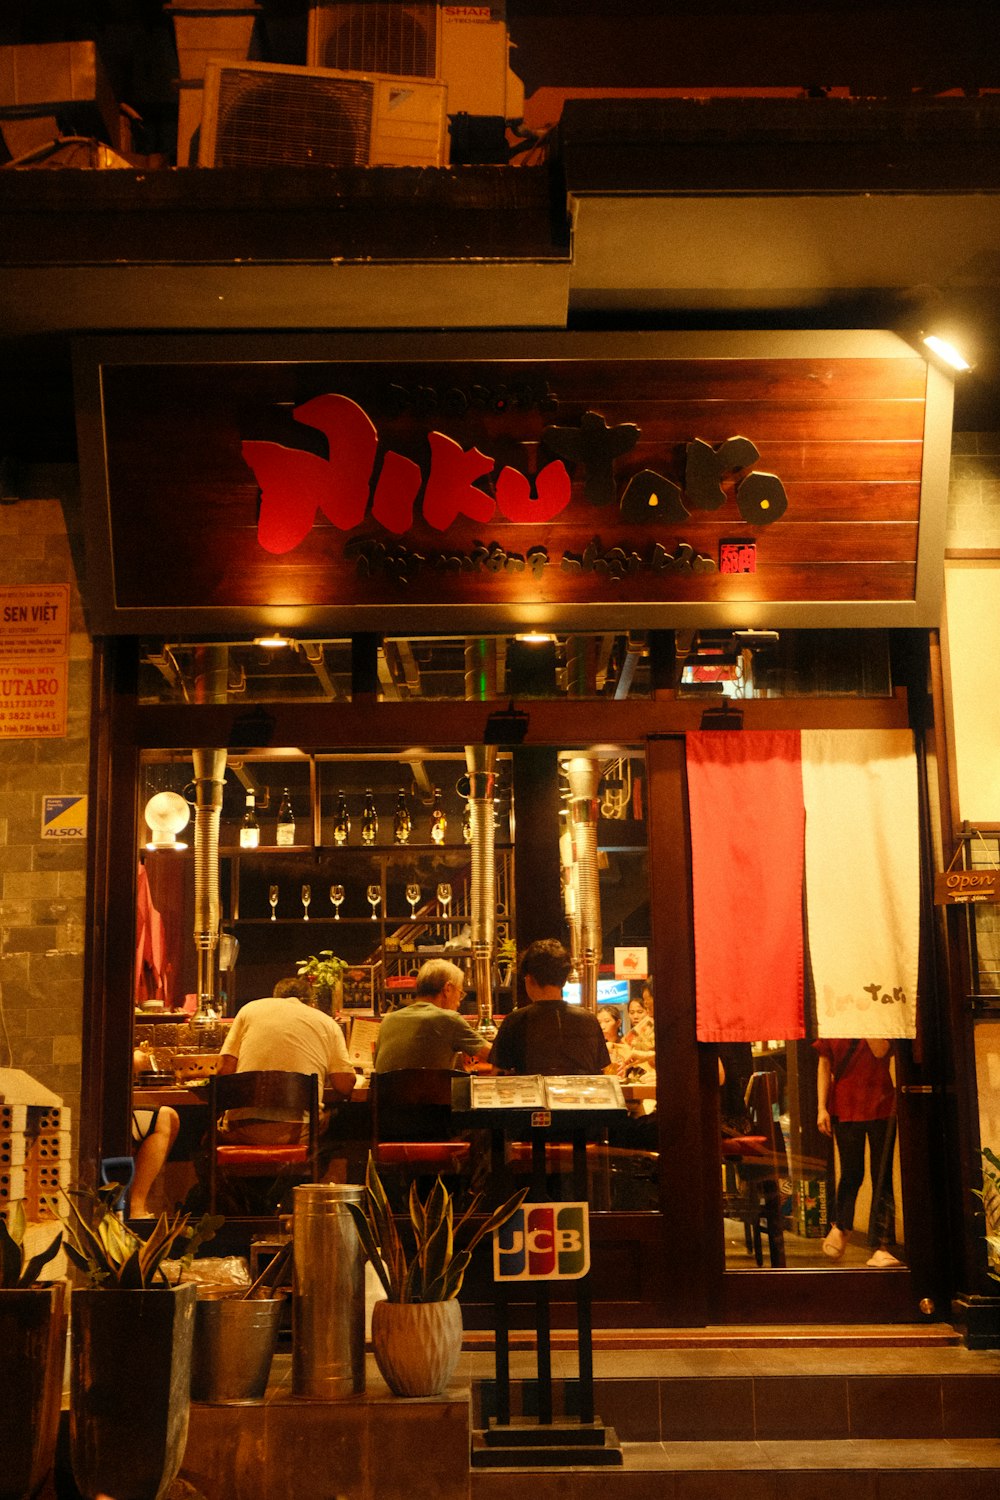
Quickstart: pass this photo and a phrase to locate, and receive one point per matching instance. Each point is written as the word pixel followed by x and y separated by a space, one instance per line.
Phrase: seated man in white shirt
pixel 285 1033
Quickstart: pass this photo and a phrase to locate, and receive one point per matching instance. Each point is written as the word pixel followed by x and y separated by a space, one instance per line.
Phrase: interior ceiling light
pixel 166 813
pixel 535 638
pixel 946 351
pixel 272 642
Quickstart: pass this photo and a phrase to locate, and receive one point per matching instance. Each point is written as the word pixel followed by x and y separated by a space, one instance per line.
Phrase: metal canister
pixel 328 1303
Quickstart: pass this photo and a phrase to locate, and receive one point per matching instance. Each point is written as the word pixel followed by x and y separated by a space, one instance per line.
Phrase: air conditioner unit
pixel 263 114
pixel 466 46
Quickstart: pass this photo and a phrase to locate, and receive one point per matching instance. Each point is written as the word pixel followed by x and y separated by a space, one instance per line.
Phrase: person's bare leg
pixel 150 1157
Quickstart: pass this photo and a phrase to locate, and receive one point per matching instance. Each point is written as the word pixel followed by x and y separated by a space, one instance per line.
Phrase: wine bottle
pixel 369 819
pixel 402 823
pixel 286 820
pixel 341 821
pixel 467 822
pixel 439 821
pixel 250 828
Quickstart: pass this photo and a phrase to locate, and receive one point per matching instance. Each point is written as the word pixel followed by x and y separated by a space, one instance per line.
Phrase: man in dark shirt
pixel 549 1036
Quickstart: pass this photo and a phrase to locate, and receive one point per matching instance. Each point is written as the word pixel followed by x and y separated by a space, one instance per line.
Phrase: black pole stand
pixel 509 1443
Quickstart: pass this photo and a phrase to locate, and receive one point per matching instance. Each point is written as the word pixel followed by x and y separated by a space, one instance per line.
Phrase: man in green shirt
pixel 429 1032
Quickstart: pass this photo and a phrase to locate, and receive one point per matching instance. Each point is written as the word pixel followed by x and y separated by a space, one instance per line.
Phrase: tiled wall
pixel 42 884
pixel 974 492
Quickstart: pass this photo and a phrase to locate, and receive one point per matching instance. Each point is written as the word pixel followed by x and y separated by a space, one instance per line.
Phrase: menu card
pixel 535 1091
pixel 361 1047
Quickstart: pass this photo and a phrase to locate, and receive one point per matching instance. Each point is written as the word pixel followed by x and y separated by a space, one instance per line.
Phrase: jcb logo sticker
pixel 543 1242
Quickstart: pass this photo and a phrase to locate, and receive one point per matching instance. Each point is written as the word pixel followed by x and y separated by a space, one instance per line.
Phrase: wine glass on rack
pixel 374 894
pixel 272 899
pixel 413 897
pixel 444 896
pixel 307 896
pixel 337 897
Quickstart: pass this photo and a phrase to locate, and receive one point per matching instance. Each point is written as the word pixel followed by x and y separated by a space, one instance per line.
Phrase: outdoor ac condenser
pixel 466 46
pixel 262 114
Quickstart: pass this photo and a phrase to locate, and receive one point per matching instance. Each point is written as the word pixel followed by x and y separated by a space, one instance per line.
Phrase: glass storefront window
pixel 800 1189
pixel 436 668
pixel 741 664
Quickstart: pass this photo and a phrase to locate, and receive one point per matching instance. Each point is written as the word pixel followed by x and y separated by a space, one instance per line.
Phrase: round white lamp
pixel 166 813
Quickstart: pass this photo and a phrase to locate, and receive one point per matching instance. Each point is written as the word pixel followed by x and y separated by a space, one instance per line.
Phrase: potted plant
pixel 417 1331
pixel 130 1350
pixel 325 972
pixel 506 962
pixel 32 1343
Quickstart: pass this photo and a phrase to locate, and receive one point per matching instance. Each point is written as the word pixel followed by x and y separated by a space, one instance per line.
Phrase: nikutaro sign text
pixel 471 483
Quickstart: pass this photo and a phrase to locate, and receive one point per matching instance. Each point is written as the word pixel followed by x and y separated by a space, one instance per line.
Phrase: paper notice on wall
pixel 34 621
pixel 34 660
pixel 33 698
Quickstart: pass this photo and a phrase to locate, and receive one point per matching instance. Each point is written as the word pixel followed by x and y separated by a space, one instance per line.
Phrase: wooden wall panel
pixel 173 505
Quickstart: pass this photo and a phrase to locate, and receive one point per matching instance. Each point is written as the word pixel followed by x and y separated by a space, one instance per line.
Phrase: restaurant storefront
pixel 718 540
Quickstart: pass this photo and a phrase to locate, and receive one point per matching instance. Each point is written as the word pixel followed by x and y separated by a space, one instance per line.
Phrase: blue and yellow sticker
pixel 64 818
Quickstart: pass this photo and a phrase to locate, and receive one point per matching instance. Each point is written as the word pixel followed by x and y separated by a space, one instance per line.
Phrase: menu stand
pixel 522 1442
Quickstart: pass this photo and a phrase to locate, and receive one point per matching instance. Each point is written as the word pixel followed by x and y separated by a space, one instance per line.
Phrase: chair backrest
pixel 296 1092
pixel 411 1104
pixel 763 1107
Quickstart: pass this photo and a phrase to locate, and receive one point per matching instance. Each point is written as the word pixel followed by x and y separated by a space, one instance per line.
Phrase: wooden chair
pixel 411 1130
pixel 298 1093
pixel 754 1165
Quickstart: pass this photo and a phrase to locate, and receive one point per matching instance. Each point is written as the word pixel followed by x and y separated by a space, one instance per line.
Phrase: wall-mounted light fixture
pixel 947 351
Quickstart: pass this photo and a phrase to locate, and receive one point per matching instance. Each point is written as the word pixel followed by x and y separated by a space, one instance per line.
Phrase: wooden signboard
pixel 653 481
pixel 964 887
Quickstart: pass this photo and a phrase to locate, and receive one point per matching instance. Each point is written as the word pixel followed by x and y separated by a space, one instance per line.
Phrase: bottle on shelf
pixel 467 822
pixel 341 821
pixel 250 828
pixel 286 821
pixel 439 821
pixel 402 823
pixel 369 818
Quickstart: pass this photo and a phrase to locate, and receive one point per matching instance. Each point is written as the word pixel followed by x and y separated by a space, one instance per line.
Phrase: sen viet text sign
pixel 543 1242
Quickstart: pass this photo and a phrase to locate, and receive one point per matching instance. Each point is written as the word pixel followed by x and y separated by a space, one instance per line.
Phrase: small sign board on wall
pixel 631 963
pixel 34 660
pixel 64 818
pixel 964 887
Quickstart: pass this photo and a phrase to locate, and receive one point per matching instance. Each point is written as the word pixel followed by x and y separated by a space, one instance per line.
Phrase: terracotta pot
pixel 32 1357
pixel 417 1345
pixel 130 1388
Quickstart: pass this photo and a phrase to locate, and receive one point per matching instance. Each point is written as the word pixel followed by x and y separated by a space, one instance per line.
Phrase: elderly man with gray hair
pixel 428 1032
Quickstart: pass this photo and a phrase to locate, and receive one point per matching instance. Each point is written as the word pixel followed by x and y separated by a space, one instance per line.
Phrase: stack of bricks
pixel 34 1159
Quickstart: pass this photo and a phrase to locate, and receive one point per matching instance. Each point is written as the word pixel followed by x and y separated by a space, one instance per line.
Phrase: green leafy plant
pixel 991 1202
pixel 435 1270
pixel 112 1255
pixel 322 968
pixel 16 1272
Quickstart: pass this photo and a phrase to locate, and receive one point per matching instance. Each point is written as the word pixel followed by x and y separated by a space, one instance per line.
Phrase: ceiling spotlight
pixel 946 351
pixel 166 813
pixel 535 638
pixel 272 642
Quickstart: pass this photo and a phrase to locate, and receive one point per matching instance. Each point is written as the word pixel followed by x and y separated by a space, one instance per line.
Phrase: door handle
pixel 916 1088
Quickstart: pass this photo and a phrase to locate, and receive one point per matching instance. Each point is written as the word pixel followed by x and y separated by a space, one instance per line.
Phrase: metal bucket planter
pixel 417 1345
pixel 32 1359
pixel 130 1388
pixel 234 1342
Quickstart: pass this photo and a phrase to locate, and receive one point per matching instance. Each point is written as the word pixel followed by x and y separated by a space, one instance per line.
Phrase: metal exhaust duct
pixel 481 762
pixel 584 775
pixel 570 894
pixel 209 777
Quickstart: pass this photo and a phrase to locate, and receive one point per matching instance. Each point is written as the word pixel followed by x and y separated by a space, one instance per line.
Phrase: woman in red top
pixel 856 1103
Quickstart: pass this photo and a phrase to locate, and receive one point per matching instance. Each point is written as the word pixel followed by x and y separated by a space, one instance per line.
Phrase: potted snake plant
pixel 417 1330
pixel 131 1338
pixel 32 1346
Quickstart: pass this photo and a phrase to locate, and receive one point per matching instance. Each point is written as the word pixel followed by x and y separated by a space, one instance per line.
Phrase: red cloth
pixel 747 847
